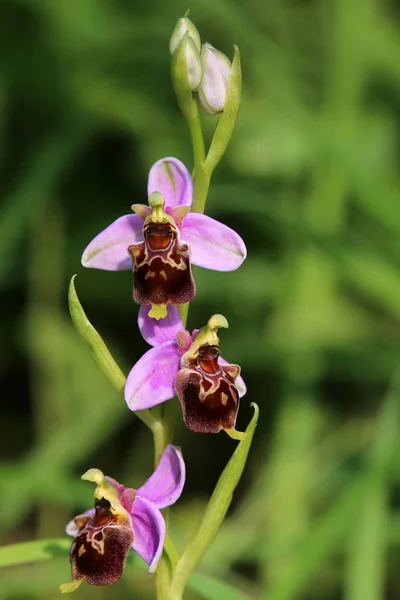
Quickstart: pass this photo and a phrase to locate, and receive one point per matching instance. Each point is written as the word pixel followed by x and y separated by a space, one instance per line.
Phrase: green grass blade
pixel 213 589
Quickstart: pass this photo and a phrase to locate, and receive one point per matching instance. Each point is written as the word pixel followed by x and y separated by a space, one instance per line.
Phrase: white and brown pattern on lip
pixel 161 267
pixel 207 391
pixel 99 550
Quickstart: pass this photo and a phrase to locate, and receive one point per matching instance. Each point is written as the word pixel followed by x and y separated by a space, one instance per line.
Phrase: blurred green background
pixel 311 181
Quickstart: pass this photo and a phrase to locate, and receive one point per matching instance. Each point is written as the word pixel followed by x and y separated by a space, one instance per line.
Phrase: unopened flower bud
pixel 192 62
pixel 214 83
pixel 186 74
pixel 184 25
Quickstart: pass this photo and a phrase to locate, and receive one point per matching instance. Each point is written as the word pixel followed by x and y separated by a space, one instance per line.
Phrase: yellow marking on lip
pixel 134 251
pixel 81 551
pixel 224 399
pixel 158 311
pixel 97 545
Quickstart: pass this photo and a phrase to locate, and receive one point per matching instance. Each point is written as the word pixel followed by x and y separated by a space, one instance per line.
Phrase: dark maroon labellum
pixel 207 391
pixel 161 267
pixel 99 550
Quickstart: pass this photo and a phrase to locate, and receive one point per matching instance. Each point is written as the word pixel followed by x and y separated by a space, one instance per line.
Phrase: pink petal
pixel 213 245
pixel 149 531
pixel 164 330
pixel 109 249
pixel 164 487
pixel 172 180
pixel 240 384
pixel 151 381
pixel 72 528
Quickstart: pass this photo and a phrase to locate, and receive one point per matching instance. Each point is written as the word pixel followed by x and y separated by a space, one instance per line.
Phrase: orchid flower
pixel 163 239
pixel 123 518
pixel 188 365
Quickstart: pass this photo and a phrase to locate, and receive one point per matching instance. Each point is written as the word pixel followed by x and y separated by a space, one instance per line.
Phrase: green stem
pixel 196 133
pixel 202 179
pixel 162 434
pixel 184 312
pixel 202 175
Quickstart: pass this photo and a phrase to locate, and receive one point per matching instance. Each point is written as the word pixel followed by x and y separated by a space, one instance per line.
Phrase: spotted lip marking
pixel 162 275
pixel 99 550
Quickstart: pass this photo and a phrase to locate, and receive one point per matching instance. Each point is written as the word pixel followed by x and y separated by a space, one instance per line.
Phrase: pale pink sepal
pixel 149 530
pixel 109 249
pixel 165 485
pixel 151 380
pixel 213 244
pixel 172 180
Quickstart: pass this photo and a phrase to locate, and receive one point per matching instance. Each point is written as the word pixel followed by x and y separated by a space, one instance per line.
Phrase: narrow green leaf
pixel 227 120
pixel 38 550
pixel 47 549
pixel 215 512
pixel 88 333
pixel 213 589
pixel 367 549
pixel 99 350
